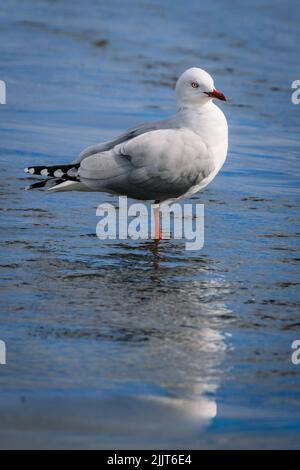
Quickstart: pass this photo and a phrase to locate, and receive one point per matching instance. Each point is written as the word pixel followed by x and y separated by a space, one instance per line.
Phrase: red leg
pixel 158 232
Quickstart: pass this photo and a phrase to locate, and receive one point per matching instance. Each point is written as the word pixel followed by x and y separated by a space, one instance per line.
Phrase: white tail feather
pixel 69 186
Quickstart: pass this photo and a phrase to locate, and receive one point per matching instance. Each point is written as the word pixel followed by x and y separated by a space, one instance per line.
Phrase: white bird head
pixel 195 87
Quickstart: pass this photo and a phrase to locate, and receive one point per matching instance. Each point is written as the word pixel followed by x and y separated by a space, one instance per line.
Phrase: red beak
pixel 217 94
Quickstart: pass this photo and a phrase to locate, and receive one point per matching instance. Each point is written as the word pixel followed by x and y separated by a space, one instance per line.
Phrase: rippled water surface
pixel 119 344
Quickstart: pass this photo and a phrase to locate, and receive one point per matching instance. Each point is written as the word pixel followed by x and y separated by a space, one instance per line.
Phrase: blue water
pixel 116 344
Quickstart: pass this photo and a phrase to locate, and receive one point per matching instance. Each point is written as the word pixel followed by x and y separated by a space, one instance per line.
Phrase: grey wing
pixel 168 163
pixel 160 164
pixel 128 135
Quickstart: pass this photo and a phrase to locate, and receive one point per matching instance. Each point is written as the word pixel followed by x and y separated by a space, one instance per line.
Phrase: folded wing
pixel 159 164
pixel 128 135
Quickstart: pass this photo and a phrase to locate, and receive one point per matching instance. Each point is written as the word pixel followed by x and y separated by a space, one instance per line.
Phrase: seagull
pixel 158 161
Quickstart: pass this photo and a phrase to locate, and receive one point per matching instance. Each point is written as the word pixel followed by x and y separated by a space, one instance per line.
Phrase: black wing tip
pixel 39 184
pixel 37 170
pixel 50 182
pixel 57 171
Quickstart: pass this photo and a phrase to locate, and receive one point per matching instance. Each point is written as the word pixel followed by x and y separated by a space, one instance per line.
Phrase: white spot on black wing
pixel 58 173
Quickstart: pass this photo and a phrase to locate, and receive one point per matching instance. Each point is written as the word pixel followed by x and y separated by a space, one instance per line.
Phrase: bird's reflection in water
pixel 154 248
pixel 156 317
pixel 189 321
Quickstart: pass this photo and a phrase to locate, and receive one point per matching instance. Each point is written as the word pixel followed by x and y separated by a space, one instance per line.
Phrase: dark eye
pixel 194 84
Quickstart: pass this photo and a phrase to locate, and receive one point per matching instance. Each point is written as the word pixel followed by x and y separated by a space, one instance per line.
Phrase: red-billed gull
pixel 158 161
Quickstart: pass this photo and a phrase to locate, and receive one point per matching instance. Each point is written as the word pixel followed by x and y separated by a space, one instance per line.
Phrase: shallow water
pixel 116 344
